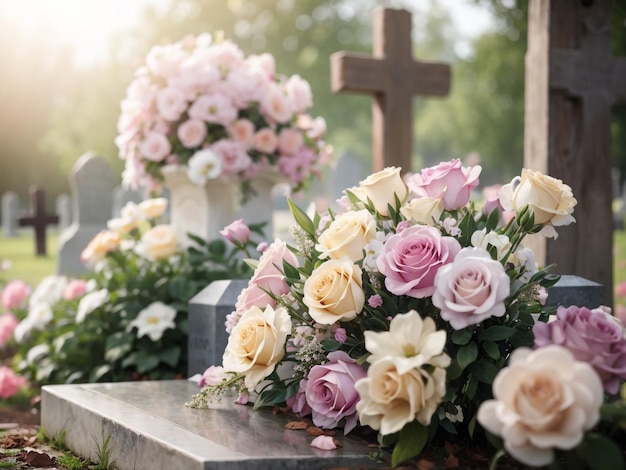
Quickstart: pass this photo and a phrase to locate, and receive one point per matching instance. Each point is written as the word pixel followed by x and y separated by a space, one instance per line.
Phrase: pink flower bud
pixel 237 233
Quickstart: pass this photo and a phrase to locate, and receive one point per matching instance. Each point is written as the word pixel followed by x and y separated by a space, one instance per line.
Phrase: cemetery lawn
pixel 25 265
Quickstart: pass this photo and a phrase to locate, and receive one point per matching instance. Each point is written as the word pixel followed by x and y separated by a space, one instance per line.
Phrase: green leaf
pixel 492 219
pixel 330 344
pixel 461 337
pixel 170 356
pixel 118 345
pixel 413 437
pixel 601 453
pixel 484 371
pixel 491 349
pixel 466 355
pixel 301 218
pixel 497 333
pixel 99 373
pixel 270 397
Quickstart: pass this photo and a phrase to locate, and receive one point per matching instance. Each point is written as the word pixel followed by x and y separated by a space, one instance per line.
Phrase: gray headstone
pixel 10 213
pixel 350 170
pixel 207 317
pixel 92 182
pixel 64 210
pixel 575 290
pixel 121 197
pixel 149 427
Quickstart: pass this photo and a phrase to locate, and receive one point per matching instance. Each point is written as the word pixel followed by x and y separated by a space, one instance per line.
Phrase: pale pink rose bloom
pixel 10 383
pixel 410 260
pixel 227 54
pixel 299 92
pixel 276 106
pixel 318 129
pixel 213 376
pixel 242 130
pixel 298 403
pixel 196 74
pixel 75 288
pixel 265 140
pixel 289 141
pixel 324 443
pixel 448 181
pixel 297 167
pixel 155 147
pixel 267 274
pixel 191 133
pixel 471 289
pixel 14 294
pixel 164 60
pixel 8 323
pixel 244 87
pixel 213 108
pixel 264 62
pixel 171 103
pixel 233 156
pixel 237 232
pixel 330 391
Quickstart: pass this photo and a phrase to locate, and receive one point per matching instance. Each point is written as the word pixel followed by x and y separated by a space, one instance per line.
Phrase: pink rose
pixel 75 288
pixel 289 141
pixel 268 273
pixel 191 133
pixel 14 294
pixel 448 181
pixel 155 147
pixel 330 391
pixel 8 323
pixel 471 288
pixel 237 233
pixel 233 156
pixel 213 108
pixel 620 289
pixel 299 91
pixel 410 260
pixel 275 105
pixel 213 376
pixel 10 383
pixel 171 103
pixel 242 130
pixel 265 140
pixel 298 403
pixel 593 336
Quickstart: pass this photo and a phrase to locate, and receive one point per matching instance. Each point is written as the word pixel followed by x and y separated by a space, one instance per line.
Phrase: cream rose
pixel 550 200
pixel 257 343
pixel 153 208
pixel 347 235
pixel 390 399
pixel 160 242
pixel 103 243
pixel 382 187
pixel 334 292
pixel 423 210
pixel 544 399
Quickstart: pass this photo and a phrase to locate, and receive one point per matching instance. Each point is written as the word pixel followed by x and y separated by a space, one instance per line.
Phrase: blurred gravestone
pixel 350 170
pixel 64 210
pixel 92 182
pixel 121 197
pixel 10 209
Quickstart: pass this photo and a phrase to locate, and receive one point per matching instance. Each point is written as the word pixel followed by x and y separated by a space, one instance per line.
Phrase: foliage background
pixel 53 111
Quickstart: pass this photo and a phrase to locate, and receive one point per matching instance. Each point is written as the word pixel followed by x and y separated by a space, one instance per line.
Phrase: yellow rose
pixel 347 235
pixel 257 343
pixel 391 398
pixel 103 243
pixel 160 242
pixel 423 210
pixel 153 208
pixel 381 187
pixel 550 200
pixel 334 292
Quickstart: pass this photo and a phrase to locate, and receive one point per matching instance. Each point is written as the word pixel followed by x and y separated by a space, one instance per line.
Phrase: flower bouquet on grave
pixel 201 103
pixel 416 313
pixel 126 320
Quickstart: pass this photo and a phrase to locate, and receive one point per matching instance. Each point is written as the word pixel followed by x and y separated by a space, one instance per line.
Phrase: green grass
pixel 25 265
pixel 619 249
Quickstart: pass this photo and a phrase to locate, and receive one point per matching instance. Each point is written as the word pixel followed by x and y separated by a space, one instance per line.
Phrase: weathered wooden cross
pixel 393 77
pixel 571 83
pixel 38 219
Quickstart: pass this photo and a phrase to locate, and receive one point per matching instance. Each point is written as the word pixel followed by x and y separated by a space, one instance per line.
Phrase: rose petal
pixel 324 443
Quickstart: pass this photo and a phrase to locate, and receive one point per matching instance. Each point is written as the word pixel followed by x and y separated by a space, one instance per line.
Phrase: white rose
pixel 160 242
pixel 153 208
pixel 423 210
pixel 203 166
pixel 390 399
pixel 347 235
pixel 382 188
pixel 257 343
pixel 90 302
pixel 543 400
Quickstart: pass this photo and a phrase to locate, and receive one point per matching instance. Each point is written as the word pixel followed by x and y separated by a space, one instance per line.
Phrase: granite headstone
pixel 10 213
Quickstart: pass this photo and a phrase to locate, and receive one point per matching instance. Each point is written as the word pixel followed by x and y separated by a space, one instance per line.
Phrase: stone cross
pixel 38 219
pixel 393 77
pixel 571 83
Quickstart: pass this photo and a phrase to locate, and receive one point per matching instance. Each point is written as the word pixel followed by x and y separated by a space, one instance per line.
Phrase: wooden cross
pixel 393 77
pixel 571 83
pixel 38 219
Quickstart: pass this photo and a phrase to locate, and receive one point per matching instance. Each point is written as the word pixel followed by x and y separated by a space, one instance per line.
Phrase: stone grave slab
pixel 575 290
pixel 150 428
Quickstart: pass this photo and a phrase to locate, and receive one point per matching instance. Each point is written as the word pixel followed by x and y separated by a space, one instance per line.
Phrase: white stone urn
pixel 200 210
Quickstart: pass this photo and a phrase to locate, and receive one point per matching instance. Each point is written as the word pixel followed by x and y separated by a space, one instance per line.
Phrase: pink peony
pixel 237 232
pixel 448 181
pixel 8 323
pixel 155 147
pixel 593 336
pixel 410 260
pixel 233 156
pixel 75 288
pixel 191 133
pixel 10 383
pixel 330 391
pixel 213 108
pixel 14 294
pixel 276 106
pixel 289 141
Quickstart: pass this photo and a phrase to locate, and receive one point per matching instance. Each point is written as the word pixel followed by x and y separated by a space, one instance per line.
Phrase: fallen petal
pixel 324 443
